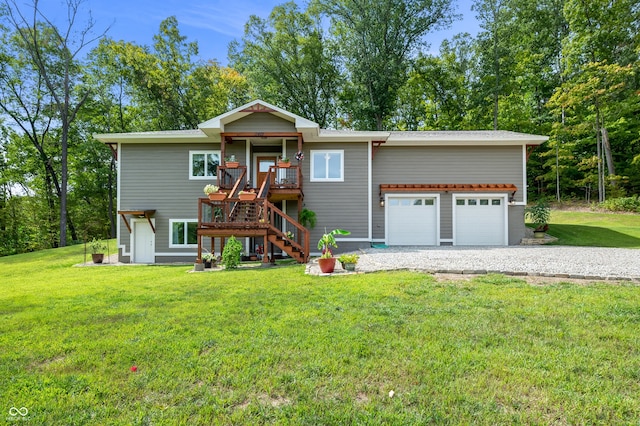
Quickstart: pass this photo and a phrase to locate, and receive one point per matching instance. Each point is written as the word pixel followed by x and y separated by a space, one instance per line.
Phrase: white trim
pixel 524 174
pixel 176 254
pixel 370 188
pixel 446 240
pixel 326 151
pixel 505 210
pixel 247 157
pixel 353 240
pixel 422 195
pixel 118 198
pixel 171 244
pixel 205 153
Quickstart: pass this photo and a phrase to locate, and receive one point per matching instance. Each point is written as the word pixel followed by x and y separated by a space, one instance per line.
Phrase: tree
pixel 165 85
pixel 53 55
pixel 288 61
pixel 377 40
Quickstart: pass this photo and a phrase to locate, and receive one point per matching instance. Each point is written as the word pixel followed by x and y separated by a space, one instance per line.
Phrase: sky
pixel 212 23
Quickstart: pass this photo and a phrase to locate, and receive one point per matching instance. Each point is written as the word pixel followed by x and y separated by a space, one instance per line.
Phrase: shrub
pixel 231 253
pixel 623 204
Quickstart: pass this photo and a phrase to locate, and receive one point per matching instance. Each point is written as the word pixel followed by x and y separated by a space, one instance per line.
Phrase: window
pixel 183 233
pixel 459 202
pixel 203 164
pixel 472 202
pixel 429 202
pixel 327 166
pixel 484 202
pixel 495 202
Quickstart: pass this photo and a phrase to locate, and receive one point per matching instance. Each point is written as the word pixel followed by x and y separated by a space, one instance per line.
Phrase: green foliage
pixel 623 204
pixel 540 213
pixel 307 218
pixel 232 253
pixel 376 40
pixel 348 258
pixel 290 61
pixel 97 246
pixel 276 346
pixel 328 240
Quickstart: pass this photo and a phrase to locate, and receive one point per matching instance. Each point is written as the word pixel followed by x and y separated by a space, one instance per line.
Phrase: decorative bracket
pixel 148 214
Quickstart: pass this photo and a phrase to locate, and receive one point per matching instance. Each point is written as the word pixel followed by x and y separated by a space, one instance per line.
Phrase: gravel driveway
pixel 550 261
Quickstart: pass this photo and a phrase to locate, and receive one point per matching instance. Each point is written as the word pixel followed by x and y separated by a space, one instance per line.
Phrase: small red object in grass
pixel 134 368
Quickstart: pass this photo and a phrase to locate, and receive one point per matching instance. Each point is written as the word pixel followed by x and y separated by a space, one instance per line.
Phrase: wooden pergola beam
pixel 147 214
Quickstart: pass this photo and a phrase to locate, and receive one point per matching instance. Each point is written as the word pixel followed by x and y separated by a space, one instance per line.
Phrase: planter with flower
pixel 327 262
pixel 97 250
pixel 287 237
pixel 209 260
pixel 349 261
pixel 284 162
pixel 249 195
pixel 231 162
pixel 214 193
pixel 539 215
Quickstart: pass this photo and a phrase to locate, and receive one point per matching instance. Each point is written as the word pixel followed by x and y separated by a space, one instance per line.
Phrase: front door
pixel 264 162
pixel 144 241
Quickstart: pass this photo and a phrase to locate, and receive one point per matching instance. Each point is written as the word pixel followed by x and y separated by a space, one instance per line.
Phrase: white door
pixel 412 220
pixel 144 241
pixel 480 221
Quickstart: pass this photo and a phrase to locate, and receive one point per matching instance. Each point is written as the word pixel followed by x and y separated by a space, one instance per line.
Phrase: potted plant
pixel 97 250
pixel 307 218
pixel 288 236
pixel 209 260
pixel 539 214
pixel 231 162
pixel 349 261
pixel 284 162
pixel 247 195
pixel 214 193
pixel 327 262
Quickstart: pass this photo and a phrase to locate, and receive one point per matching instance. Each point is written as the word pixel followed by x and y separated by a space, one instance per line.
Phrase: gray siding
pixel 339 204
pixel 260 122
pixel 157 177
pixel 446 165
pixel 516 224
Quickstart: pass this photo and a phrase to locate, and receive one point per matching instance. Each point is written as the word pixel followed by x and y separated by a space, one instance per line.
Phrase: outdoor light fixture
pixel 381 201
pixel 512 199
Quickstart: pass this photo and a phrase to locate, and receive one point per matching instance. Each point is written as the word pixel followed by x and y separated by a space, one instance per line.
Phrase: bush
pixel 231 253
pixel 623 204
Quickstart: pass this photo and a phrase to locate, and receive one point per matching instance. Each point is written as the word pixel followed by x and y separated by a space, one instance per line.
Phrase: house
pixel 396 188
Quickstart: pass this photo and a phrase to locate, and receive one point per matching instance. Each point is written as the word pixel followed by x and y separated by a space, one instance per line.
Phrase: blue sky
pixel 213 23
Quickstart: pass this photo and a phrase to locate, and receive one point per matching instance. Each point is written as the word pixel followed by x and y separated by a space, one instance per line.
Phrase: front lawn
pixel 277 346
pixel 577 228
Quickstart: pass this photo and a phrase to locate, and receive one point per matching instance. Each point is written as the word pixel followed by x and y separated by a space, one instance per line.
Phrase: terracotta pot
pixel 248 196
pixel 217 196
pixel 232 164
pixel 327 265
pixel 97 257
pixel 284 165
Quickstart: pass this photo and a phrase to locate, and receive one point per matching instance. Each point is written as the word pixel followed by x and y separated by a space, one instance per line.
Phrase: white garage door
pixel 480 221
pixel 412 221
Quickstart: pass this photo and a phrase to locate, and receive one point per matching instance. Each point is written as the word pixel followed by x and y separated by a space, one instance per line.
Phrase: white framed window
pixel 183 233
pixel 203 164
pixel 327 166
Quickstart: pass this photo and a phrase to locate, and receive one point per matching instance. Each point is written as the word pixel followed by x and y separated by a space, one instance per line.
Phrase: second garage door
pixel 480 221
pixel 412 220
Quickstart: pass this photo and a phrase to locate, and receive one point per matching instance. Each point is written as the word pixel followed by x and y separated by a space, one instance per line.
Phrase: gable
pixel 260 122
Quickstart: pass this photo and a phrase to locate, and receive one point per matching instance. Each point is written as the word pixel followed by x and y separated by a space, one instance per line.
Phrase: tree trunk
pixel 607 151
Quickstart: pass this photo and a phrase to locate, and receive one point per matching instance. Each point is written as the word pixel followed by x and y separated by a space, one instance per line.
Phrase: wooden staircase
pixel 255 218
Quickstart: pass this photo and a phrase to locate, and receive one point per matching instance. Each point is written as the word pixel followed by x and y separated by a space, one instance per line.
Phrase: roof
pixel 209 131
pixel 453 187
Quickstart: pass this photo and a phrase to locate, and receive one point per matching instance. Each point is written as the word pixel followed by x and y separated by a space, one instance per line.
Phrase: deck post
pixel 265 258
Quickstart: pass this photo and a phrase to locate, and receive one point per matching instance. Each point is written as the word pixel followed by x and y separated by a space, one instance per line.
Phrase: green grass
pixel 276 346
pixel 595 229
